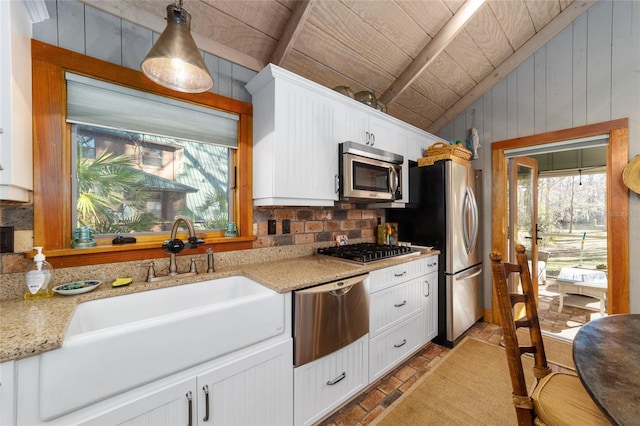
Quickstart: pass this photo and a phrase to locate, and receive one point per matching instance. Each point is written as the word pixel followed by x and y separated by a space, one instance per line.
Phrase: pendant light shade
pixel 175 61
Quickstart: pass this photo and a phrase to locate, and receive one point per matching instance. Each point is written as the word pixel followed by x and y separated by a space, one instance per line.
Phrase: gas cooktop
pixel 366 252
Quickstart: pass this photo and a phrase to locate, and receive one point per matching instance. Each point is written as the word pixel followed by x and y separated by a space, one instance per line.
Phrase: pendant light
pixel 175 61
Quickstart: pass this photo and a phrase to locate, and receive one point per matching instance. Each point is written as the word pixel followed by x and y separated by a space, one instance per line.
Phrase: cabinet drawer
pixel 324 384
pixel 431 264
pixel 393 305
pixel 387 277
pixel 388 349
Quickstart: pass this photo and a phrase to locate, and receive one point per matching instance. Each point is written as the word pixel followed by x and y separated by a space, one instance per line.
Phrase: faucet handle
pixel 151 273
pixel 173 246
pixel 194 242
pixel 192 268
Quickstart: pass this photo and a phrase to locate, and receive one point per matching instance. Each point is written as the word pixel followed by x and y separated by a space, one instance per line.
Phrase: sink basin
pixel 123 342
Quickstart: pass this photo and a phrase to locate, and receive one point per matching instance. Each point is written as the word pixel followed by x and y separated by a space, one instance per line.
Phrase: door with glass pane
pixel 523 214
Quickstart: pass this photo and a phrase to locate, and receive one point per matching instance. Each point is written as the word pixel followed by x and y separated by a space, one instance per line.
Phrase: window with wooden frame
pixel 58 141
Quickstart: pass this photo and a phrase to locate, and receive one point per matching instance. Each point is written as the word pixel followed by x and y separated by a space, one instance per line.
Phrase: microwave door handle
pixel 393 180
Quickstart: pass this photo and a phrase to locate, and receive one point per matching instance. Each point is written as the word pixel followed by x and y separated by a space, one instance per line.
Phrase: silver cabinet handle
pixel 367 138
pixel 190 399
pixel 401 275
pixel 430 265
pixel 398 345
pixel 373 139
pixel 205 389
pixel 428 288
pixel 337 379
pixel 398 305
pixel 337 183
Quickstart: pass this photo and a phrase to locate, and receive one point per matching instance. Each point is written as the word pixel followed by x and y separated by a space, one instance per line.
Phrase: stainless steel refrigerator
pixel 443 212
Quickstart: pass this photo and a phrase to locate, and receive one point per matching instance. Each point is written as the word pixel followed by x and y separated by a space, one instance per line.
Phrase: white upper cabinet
pixel 362 124
pixel 295 150
pixel 297 126
pixel 16 169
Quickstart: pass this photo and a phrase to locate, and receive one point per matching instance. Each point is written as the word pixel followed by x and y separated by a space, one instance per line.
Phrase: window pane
pixel 135 182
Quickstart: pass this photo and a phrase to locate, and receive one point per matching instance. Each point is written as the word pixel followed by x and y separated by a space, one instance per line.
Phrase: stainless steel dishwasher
pixel 329 316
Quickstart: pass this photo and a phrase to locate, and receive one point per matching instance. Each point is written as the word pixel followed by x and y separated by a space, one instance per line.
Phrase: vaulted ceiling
pixel 427 60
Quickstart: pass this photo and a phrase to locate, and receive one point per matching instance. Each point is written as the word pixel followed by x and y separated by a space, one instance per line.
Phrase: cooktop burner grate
pixel 366 252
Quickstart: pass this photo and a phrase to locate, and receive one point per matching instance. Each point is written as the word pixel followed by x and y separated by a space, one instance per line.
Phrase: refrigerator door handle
pixel 469 219
pixel 473 272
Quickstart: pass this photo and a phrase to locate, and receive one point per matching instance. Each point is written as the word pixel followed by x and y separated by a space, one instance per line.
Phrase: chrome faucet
pixel 176 245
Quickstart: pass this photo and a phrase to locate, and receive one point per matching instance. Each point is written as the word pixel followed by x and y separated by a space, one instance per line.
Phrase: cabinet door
pixel 174 404
pixel 306 152
pixel 295 149
pixel 387 135
pixel 352 123
pixel 256 389
pixel 430 293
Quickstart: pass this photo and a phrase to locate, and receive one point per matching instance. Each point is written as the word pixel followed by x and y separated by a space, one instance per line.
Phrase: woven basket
pixel 441 148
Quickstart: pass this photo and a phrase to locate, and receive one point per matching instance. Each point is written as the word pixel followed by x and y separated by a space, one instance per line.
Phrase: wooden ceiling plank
pixel 560 22
pixel 415 101
pixel 323 48
pixel 451 74
pixel 488 35
pixel 347 28
pixel 467 55
pixel 291 30
pixel 435 90
pixel 267 16
pixel 393 22
pixel 542 11
pixel 431 50
pixel 513 17
pixel 431 16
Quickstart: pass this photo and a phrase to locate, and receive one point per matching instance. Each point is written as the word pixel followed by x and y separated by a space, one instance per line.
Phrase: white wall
pixel 588 73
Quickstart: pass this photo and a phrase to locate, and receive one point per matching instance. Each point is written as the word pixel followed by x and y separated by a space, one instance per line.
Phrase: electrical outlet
pixel 271 226
pixel 6 239
pixel 286 226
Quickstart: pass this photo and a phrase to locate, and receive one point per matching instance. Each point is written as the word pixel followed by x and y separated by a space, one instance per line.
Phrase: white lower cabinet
pixel 250 386
pixel 403 313
pixel 324 384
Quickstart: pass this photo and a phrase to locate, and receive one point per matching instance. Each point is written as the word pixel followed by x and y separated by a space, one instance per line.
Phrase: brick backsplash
pixel 314 224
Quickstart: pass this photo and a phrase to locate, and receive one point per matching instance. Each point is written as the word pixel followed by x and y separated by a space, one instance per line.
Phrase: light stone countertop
pixel 30 327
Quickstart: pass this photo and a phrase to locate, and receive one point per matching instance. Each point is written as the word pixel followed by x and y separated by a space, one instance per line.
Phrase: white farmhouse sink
pixel 118 343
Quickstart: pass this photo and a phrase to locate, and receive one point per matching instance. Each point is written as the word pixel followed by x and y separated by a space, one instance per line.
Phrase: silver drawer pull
pixel 398 345
pixel 431 264
pixel 397 305
pixel 205 389
pixel 402 274
pixel 190 399
pixel 337 379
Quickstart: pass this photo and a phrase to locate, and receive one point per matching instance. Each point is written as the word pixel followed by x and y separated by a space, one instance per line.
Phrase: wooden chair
pixel 556 398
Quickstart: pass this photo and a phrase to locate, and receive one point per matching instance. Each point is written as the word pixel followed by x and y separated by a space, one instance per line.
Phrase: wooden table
pixel 606 352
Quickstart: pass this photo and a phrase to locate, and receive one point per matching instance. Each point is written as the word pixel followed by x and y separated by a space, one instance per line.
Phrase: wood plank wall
pixel 79 27
pixel 588 73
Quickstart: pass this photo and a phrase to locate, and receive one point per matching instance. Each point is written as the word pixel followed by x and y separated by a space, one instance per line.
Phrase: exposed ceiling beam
pixel 291 30
pixel 432 50
pixel 549 31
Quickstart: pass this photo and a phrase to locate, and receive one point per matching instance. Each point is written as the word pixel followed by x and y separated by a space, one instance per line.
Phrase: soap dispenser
pixel 39 277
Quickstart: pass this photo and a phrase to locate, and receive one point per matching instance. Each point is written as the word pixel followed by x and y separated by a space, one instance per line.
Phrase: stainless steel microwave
pixel 369 174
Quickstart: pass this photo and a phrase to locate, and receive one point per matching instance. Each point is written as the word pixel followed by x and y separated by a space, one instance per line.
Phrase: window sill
pixel 101 254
